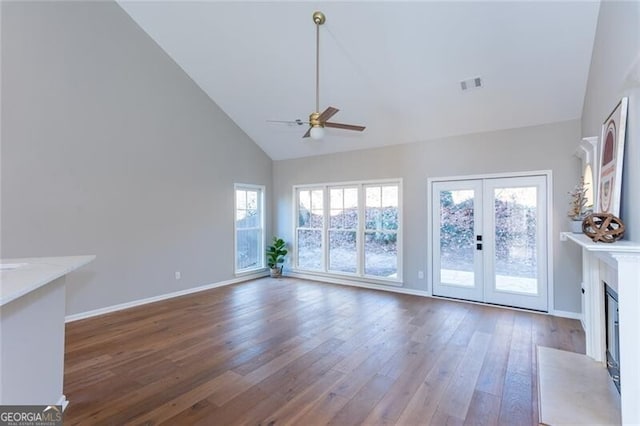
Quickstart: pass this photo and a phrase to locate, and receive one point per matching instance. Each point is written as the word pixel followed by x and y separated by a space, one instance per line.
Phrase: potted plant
pixel 275 256
pixel 578 208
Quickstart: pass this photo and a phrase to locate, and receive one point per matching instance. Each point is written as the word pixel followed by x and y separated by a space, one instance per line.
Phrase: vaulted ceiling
pixel 393 66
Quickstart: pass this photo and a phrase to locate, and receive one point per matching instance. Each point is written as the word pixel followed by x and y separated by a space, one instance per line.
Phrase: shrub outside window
pixel 349 229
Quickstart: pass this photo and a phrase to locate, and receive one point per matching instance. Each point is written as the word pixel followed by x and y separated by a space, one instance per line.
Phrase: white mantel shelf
pixel 618 262
pixel 585 242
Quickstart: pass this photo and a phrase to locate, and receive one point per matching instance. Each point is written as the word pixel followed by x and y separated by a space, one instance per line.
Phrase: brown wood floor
pixel 287 351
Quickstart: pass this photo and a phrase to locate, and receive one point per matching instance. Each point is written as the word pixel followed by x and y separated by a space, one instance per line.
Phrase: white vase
pixel 575 226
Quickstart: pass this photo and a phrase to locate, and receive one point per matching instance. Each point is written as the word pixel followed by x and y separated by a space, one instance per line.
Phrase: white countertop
pixel 30 273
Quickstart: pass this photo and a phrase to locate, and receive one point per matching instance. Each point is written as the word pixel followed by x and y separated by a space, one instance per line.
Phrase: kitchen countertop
pixel 30 273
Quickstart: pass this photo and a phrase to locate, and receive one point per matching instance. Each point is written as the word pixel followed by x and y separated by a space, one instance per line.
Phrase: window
pixel 343 229
pixel 309 229
pixel 588 184
pixel 381 230
pixel 249 227
pixel 349 229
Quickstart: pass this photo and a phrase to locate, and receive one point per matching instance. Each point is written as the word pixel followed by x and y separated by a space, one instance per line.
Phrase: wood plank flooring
pixel 295 352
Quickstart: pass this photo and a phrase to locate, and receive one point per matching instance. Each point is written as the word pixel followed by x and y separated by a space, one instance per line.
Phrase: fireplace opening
pixel 612 332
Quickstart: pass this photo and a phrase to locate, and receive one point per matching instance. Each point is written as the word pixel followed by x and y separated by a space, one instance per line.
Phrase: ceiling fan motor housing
pixel 314 119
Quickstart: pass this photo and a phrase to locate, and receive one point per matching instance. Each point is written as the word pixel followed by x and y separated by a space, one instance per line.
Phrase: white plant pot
pixel 276 272
pixel 575 226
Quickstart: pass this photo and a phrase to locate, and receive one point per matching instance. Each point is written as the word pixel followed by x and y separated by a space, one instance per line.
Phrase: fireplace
pixel 612 333
pixel 618 265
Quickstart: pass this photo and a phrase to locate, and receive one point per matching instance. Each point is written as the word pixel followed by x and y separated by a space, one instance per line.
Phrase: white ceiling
pixel 392 66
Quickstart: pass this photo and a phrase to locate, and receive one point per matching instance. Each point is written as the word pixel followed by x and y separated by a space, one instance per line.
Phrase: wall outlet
pixel 178 275
pixel 421 275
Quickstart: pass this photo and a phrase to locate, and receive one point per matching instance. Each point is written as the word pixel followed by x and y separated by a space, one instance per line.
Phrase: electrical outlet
pixel 178 275
pixel 420 275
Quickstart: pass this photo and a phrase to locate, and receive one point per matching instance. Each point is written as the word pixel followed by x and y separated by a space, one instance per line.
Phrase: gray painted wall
pixel 108 148
pixel 547 147
pixel 615 73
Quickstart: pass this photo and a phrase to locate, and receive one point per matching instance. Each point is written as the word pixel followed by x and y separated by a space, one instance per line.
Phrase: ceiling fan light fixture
pixel 319 120
pixel 317 132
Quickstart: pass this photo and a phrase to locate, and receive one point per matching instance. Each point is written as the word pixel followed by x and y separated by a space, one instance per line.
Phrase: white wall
pixel 533 148
pixel 615 73
pixel 108 148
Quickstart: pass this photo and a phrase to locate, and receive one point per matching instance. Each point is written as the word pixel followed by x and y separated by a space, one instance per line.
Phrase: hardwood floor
pixel 288 351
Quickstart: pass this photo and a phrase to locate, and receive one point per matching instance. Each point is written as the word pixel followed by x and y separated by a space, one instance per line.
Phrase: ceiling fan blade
pixel 327 114
pixel 344 126
pixel 306 135
pixel 289 122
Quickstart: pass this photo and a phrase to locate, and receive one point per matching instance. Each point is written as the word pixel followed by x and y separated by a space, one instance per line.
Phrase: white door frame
pixel 549 213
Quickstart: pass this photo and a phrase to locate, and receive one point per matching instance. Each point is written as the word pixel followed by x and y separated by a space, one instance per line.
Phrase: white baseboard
pixel 568 314
pixel 392 287
pixel 126 305
pixel 423 293
pixel 332 280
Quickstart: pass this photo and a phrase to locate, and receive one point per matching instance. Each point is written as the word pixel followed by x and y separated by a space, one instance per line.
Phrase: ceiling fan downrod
pixel 317 127
pixel 318 19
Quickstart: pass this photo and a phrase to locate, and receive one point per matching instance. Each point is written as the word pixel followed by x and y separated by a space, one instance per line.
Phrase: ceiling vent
pixel 470 84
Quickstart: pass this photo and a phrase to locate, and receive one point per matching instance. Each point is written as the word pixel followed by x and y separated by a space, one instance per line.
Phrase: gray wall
pixel 547 147
pixel 614 73
pixel 108 148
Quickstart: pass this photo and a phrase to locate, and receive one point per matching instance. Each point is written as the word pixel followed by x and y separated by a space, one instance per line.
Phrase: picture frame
pixel 611 160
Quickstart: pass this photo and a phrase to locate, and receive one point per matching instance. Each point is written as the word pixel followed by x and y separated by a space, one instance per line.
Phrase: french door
pixel 490 240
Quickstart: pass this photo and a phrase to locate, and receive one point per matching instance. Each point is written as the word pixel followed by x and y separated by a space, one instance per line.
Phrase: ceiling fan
pixel 318 120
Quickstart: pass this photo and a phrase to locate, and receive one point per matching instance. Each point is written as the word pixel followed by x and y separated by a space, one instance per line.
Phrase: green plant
pixel 276 252
pixel 578 208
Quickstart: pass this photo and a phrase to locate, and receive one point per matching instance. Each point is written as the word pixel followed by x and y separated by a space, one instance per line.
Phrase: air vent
pixel 470 84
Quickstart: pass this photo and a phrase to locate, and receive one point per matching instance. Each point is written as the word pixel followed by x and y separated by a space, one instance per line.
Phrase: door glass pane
pixel 457 238
pixel 516 266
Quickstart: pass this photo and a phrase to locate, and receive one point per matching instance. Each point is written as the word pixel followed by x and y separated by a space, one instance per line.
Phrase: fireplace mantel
pixel 624 258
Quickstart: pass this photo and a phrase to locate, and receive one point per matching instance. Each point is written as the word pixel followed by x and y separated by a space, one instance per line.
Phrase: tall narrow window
pixel 249 227
pixel 588 184
pixel 382 221
pixel 343 228
pixel 309 229
pixel 351 228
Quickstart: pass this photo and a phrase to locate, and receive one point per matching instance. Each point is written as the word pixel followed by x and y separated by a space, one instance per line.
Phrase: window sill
pixel 351 277
pixel 246 272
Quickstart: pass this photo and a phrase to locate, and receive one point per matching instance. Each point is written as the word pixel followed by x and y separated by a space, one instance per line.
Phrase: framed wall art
pixel 611 159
